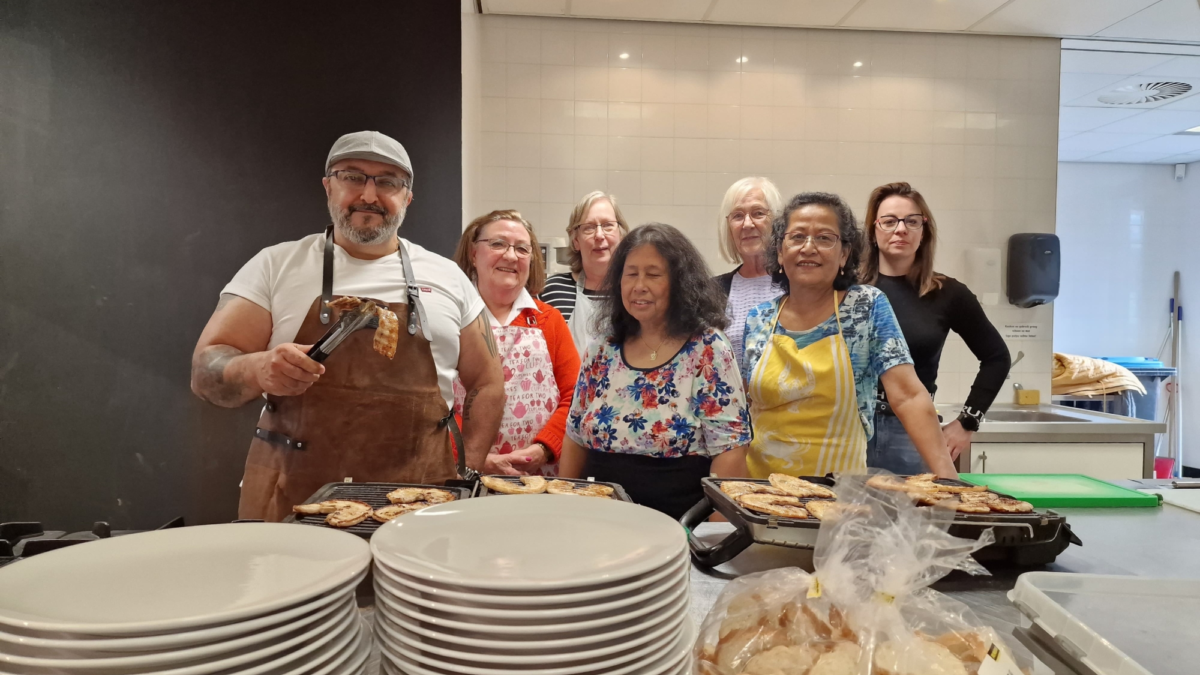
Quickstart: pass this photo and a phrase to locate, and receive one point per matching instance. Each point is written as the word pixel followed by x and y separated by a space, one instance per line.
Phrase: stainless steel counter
pixel 1005 419
pixel 1153 542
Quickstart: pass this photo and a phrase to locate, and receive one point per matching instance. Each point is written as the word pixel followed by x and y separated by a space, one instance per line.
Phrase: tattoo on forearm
pixel 467 403
pixel 208 376
pixel 490 339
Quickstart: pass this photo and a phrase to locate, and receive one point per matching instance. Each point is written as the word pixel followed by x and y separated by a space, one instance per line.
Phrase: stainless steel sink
pixel 1028 416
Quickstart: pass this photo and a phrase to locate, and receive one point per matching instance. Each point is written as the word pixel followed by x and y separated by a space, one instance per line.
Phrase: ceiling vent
pixel 1146 92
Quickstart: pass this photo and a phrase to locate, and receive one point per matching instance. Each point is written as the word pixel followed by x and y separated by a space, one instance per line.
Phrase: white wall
pixel 971 121
pixel 1125 229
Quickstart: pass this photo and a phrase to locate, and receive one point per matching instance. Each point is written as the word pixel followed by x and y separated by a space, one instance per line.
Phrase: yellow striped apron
pixel 805 410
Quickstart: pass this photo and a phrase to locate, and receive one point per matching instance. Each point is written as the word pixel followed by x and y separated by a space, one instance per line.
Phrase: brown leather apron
pixel 368 418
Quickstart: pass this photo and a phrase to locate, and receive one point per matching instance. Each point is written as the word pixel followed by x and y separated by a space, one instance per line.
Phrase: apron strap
pixel 415 309
pixel 456 434
pixel 327 277
pixel 836 315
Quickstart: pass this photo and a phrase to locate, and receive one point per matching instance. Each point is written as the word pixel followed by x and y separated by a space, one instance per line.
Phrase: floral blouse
pixel 692 405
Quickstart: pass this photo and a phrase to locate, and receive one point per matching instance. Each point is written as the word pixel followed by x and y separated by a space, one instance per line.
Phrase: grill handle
pixel 723 551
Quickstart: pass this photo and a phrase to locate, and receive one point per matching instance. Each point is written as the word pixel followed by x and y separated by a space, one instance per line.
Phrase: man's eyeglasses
pixel 385 185
pixel 758 216
pixel 890 223
pixel 500 246
pixel 823 241
pixel 589 229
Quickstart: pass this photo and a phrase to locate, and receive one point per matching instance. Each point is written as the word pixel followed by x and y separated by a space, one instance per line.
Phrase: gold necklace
pixel 653 350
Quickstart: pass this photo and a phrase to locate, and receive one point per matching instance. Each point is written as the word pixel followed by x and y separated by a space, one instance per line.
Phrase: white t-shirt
pixel 285 279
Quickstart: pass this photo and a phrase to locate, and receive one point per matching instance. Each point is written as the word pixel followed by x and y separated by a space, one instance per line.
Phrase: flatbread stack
pixel 533 485
pixel 350 512
pixel 784 497
pixel 924 489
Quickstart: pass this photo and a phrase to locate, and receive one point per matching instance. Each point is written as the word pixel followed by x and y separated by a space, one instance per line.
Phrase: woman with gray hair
pixel 743 225
pixel 816 356
pixel 595 229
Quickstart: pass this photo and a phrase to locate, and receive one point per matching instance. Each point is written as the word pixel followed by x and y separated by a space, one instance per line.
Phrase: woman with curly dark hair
pixel 659 402
pixel 816 356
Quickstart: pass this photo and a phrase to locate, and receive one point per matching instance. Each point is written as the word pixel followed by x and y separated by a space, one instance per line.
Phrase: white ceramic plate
pixel 527 627
pixel 335 654
pixel 394 635
pixel 171 580
pixel 89 660
pixel 49 647
pixel 676 661
pixel 563 543
pixel 331 620
pixel 517 601
pixel 627 662
pixel 541 615
pixel 486 642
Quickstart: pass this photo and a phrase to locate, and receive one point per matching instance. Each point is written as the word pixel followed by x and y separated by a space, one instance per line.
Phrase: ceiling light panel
pixel 781 12
pixel 655 10
pixel 920 14
pixel 1174 20
pixel 1059 17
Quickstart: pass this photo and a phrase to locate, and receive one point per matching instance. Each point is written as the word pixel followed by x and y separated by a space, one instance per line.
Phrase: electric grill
pixel 1022 539
pixel 619 493
pixel 374 494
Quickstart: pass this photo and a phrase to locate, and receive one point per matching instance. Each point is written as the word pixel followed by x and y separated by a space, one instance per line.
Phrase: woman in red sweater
pixel 500 254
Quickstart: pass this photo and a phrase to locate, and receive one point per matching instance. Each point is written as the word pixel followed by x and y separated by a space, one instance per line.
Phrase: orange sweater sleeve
pixel 566 372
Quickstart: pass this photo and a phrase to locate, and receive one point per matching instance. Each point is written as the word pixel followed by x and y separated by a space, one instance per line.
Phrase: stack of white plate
pixel 250 598
pixel 536 584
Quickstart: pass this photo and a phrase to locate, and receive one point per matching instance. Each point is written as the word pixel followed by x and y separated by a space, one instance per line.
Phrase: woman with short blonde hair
pixel 743 224
pixel 594 230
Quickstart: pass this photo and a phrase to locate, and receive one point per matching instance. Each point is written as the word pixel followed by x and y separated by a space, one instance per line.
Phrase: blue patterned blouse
pixel 871 332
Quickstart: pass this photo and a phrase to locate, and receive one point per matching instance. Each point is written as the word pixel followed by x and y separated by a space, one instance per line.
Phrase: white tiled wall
pixel 971 121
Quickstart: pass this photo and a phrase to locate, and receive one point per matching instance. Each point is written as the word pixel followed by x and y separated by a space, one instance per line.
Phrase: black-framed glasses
pixel 890 223
pixel 501 246
pixel 758 216
pixel 823 241
pixel 386 185
pixel 589 229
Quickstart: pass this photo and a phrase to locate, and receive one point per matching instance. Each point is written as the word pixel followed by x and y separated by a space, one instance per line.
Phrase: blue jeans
pixel 890 448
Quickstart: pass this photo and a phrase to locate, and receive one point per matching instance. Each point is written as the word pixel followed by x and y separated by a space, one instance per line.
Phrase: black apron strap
pixel 327 278
pixel 415 309
pixel 276 438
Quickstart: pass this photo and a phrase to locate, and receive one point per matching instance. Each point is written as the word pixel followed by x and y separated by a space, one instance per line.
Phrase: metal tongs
pixel 362 316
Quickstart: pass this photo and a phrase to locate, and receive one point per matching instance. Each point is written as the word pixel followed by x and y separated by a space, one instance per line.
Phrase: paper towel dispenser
pixel 1034 265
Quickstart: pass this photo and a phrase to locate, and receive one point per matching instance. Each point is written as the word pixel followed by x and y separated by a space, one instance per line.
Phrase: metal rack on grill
pixel 374 494
pixel 619 493
pixel 1021 538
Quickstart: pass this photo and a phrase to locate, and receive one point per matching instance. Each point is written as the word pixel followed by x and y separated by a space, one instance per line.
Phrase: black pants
pixel 668 485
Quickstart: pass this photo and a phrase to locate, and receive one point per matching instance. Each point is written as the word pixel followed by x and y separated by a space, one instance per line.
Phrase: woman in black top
pixel 901 243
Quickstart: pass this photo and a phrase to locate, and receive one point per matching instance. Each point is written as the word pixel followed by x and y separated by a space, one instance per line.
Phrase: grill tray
pixel 374 494
pixel 1022 539
pixel 619 493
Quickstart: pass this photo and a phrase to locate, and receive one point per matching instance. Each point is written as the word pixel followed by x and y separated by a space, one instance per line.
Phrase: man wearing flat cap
pixel 357 415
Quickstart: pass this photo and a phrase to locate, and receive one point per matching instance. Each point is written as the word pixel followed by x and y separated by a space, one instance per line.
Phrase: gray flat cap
pixel 370 145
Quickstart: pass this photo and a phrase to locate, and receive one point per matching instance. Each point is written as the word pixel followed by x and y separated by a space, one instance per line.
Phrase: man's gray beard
pixel 366 237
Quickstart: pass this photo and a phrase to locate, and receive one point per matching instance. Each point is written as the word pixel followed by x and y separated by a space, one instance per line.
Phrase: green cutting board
pixel 1062 490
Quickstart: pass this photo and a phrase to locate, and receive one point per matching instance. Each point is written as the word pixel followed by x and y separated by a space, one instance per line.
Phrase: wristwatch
pixel 970 418
pixel 548 452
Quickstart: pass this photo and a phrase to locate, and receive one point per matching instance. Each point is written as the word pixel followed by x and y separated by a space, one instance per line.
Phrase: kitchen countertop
pixel 1077 421
pixel 1152 542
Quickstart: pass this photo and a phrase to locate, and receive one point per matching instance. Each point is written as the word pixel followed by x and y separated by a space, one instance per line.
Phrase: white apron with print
pixel 529 385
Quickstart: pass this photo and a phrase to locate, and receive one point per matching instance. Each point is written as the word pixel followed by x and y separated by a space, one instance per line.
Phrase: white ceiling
pixel 1158 20
pixel 1091 131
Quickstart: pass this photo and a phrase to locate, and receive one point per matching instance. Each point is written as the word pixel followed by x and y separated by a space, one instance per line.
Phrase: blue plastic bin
pixel 1150 372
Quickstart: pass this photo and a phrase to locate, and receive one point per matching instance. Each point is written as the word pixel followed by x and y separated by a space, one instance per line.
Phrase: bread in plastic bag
pixel 867 609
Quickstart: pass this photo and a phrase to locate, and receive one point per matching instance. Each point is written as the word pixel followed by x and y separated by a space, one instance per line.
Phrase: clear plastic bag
pixel 866 610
